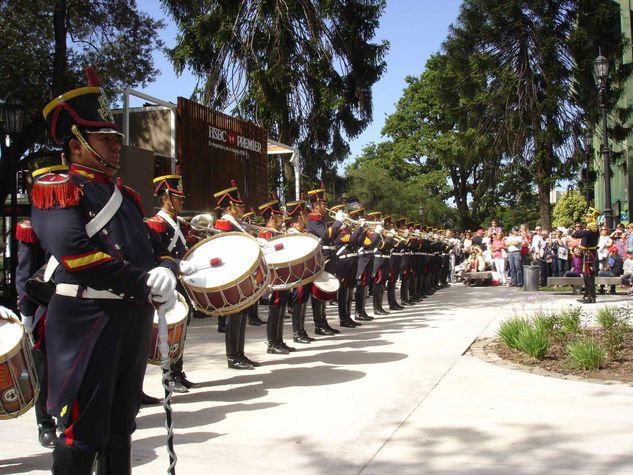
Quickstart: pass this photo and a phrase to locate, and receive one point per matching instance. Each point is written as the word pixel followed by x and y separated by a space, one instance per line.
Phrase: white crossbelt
pixel 177 232
pixel 79 291
pixel 351 254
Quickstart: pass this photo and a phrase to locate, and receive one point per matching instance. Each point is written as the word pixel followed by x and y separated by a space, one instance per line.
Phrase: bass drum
pixel 230 273
pixel 325 286
pixel 19 387
pixel 293 260
pixel 176 333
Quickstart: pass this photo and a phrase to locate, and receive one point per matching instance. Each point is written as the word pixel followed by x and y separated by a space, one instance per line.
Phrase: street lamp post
pixel 14 120
pixel 601 71
pixel 587 140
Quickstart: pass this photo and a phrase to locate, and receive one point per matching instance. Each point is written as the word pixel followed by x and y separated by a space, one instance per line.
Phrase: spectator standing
pixel 613 268
pixel 526 240
pixel 627 268
pixel 572 242
pixel 494 228
pixel 515 243
pixel 604 243
pixel 560 253
pixel 499 255
pixel 478 239
pixel 542 247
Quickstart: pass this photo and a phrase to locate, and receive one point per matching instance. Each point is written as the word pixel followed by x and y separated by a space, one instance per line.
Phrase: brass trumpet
pixel 253 228
pixel 354 222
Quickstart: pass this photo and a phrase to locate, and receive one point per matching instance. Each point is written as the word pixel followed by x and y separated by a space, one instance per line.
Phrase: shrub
pixel 614 322
pixel 570 320
pixel 586 354
pixel 533 341
pixel 509 331
pixel 547 321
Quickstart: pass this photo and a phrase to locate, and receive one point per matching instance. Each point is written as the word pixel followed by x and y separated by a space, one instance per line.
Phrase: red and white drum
pixel 293 259
pixel 176 333
pixel 230 273
pixel 19 387
pixel 325 286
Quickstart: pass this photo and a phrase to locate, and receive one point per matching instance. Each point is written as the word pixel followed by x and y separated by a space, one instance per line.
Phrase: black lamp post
pixel 14 122
pixel 601 72
pixel 587 141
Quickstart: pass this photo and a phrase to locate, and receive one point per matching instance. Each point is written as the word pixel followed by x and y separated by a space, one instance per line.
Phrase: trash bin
pixel 531 278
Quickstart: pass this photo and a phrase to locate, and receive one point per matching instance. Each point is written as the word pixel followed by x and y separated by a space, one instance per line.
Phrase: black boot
pixel 253 315
pixel 304 334
pixel 47 435
pixel 46 432
pixel 324 319
pixel 391 297
pixel 280 332
pixel 234 340
pixel 378 310
pixel 344 318
pixel 222 324
pixel 298 332
pixel 404 293
pixel 116 459
pixel 359 309
pixel 70 460
pixel 320 327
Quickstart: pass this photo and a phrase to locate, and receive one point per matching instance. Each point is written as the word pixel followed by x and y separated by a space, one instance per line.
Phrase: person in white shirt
pixel 628 268
pixel 514 241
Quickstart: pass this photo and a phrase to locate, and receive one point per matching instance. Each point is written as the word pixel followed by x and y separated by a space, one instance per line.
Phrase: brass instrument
pixel 202 225
pixel 254 228
pixel 353 222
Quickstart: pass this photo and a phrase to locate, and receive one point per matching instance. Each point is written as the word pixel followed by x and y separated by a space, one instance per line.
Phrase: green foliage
pixel 510 329
pixel 614 321
pixel 586 354
pixel 571 319
pixel 533 341
pixel 548 322
pixel 569 209
pixel 304 70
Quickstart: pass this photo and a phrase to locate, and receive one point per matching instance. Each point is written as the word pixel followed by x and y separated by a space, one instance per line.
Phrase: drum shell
pixel 297 272
pixel 19 387
pixel 322 293
pixel 233 296
pixel 176 336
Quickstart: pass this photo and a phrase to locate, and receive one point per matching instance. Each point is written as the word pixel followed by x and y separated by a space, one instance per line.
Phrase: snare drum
pixel 293 259
pixel 325 286
pixel 19 387
pixel 176 332
pixel 230 275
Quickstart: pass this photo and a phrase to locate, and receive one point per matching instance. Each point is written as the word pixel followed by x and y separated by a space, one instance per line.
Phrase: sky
pixel 415 30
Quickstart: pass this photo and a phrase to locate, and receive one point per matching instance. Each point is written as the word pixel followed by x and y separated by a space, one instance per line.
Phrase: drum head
pixel 327 282
pixel 177 314
pixel 11 334
pixel 237 253
pixel 292 247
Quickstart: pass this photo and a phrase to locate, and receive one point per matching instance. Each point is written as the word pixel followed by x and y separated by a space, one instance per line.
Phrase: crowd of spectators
pixel 555 252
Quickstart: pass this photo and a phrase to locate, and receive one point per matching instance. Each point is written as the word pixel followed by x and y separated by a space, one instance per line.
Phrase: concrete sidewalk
pixel 401 394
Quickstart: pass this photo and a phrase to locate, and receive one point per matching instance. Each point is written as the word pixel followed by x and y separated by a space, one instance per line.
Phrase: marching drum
pixel 176 332
pixel 19 387
pixel 229 273
pixel 325 286
pixel 293 259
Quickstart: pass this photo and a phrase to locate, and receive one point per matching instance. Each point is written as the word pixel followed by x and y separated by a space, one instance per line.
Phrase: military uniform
pixel 99 321
pixel 589 238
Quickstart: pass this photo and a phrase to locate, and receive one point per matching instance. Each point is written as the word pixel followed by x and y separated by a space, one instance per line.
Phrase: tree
pixel 39 63
pixel 302 69
pixel 570 209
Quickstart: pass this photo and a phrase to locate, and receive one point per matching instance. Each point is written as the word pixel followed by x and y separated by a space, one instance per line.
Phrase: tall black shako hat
pixel 318 194
pixel 293 207
pixel 86 108
pixel 168 184
pixel 270 207
pixel 228 196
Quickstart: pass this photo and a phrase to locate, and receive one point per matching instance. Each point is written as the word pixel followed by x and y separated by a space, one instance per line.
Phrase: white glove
pixel 378 229
pixel 361 222
pixel 27 322
pixel 392 233
pixel 405 234
pixel 340 215
pixel 167 300
pixel 8 314
pixel 161 282
pixel 186 267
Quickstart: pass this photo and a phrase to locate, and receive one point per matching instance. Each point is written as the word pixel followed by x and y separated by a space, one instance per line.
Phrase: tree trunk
pixel 545 206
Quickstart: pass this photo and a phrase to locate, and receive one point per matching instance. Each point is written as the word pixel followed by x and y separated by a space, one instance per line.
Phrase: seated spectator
pixel 627 268
pixel 475 262
pixel 576 264
pixel 613 268
pixel 478 239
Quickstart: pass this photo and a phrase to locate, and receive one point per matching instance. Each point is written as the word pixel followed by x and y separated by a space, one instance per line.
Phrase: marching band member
pixel 405 267
pixel 299 295
pixel 363 272
pixel 235 332
pixel 381 265
pixel 394 265
pixel 173 233
pixel 110 268
pixel 272 213
pixel 346 244
pixel 253 311
pixel 317 225
pixel 589 244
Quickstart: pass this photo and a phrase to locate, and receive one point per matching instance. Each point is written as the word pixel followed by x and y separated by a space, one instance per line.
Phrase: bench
pixel 577 282
pixel 478 277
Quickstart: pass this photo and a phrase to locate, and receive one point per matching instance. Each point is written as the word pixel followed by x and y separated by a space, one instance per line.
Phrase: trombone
pixel 354 222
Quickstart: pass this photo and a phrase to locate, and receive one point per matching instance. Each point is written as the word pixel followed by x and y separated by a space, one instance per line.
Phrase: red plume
pixel 322 184
pixel 302 195
pixel 93 79
pixel 274 195
pixel 233 183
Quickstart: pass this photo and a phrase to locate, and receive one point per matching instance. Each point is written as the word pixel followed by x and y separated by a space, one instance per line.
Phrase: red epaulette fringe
pixel 24 232
pixel 45 196
pixel 223 225
pixel 157 224
pixel 315 217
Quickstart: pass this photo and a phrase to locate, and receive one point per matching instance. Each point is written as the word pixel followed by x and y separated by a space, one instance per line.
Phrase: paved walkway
pixel 402 394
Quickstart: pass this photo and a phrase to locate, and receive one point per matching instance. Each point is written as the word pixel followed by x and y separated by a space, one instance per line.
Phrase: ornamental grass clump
pixel 570 320
pixel 533 341
pixel 586 354
pixel 509 331
pixel 614 322
pixel 549 322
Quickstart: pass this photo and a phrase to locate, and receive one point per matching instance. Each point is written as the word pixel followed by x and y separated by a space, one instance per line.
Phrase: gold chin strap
pixel 75 130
